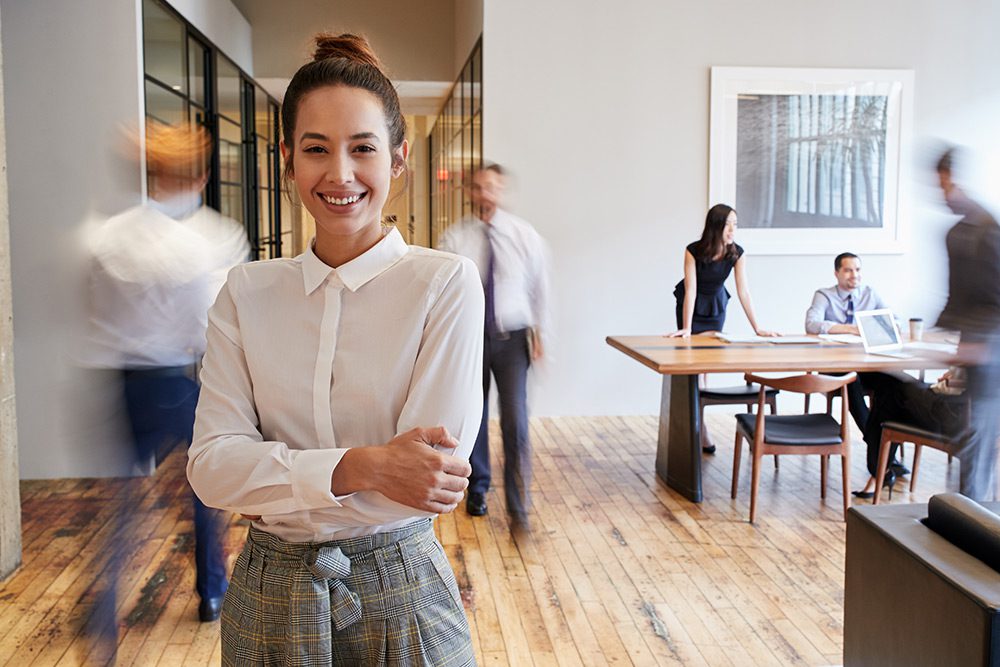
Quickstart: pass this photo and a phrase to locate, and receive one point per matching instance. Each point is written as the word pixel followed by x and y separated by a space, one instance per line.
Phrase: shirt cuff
pixel 311 474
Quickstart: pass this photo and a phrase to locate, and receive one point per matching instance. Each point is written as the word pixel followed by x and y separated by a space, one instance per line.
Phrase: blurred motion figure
pixel 973 309
pixel 155 270
pixel 513 264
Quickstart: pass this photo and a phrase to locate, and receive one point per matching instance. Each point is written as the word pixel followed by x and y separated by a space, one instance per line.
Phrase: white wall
pixel 71 77
pixel 223 25
pixel 601 111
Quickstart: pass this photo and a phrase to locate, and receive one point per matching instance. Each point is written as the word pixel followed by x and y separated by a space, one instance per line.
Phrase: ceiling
pixel 415 40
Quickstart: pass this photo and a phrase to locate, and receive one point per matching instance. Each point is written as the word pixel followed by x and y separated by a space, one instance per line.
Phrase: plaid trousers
pixel 384 599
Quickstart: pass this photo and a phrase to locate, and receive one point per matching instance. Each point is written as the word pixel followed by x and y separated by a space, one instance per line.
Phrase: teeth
pixel 341 202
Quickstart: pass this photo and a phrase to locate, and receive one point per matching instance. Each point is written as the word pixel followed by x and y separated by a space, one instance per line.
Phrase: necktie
pixel 850 309
pixel 488 285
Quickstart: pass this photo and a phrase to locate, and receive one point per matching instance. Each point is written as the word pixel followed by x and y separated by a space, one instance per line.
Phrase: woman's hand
pixel 766 333
pixel 680 333
pixel 407 469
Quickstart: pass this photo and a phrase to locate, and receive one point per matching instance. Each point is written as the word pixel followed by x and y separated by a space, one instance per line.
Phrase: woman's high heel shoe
pixel 889 481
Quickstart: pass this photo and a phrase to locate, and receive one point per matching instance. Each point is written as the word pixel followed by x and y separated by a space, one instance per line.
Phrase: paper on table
pixel 842 338
pixel 737 338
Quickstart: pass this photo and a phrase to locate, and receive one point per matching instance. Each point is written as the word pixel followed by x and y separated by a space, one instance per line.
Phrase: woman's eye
pixel 365 149
pixel 314 149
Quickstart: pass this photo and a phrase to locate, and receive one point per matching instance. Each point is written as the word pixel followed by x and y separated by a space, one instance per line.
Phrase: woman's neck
pixel 336 250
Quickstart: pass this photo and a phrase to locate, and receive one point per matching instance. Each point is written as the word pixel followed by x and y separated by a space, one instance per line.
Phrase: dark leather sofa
pixel 914 594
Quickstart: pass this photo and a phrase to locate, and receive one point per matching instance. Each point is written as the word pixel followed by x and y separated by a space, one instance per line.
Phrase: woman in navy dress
pixel 702 295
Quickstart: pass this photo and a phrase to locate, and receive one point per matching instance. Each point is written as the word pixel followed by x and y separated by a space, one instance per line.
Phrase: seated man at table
pixel 898 397
pixel 832 312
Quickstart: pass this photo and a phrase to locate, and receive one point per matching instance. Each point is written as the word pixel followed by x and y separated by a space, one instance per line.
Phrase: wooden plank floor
pixel 617 569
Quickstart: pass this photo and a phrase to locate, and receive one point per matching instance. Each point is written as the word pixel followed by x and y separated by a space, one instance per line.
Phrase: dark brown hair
pixel 839 259
pixel 712 244
pixel 341 60
pixel 945 162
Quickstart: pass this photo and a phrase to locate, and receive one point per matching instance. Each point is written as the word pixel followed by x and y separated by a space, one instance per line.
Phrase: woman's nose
pixel 339 170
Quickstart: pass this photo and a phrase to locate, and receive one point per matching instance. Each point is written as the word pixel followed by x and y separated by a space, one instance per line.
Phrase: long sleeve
pixel 541 290
pixel 231 466
pixel 447 383
pixel 816 322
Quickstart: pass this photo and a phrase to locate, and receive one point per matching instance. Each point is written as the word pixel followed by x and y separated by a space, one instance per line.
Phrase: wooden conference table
pixel 679 360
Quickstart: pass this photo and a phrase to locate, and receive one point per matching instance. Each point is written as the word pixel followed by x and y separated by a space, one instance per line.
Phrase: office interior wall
pixel 10 496
pixel 468 27
pixel 223 24
pixel 71 78
pixel 602 113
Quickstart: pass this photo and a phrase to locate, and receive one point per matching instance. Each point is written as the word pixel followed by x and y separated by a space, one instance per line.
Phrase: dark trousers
pixel 902 398
pixel 506 357
pixel 161 405
pixel 978 444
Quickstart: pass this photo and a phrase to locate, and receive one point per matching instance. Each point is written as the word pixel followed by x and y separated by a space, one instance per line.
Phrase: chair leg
pixel 773 405
pixel 824 461
pixel 706 442
pixel 883 465
pixel 845 469
pixel 754 482
pixel 916 465
pixel 949 459
pixel 806 410
pixel 737 453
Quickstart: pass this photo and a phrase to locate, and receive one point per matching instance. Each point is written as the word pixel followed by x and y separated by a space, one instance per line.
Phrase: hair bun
pixel 347 46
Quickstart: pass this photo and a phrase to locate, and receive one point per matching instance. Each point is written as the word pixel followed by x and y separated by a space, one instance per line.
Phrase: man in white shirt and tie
pixel 513 263
pixel 832 312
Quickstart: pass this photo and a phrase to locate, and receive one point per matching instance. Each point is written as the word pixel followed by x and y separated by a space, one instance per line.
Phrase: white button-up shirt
pixel 305 361
pixel 155 271
pixel 521 274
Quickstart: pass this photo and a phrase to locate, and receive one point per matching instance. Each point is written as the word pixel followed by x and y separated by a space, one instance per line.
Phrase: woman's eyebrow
pixel 323 137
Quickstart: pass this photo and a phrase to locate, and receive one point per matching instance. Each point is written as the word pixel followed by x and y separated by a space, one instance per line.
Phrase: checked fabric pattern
pixel 385 599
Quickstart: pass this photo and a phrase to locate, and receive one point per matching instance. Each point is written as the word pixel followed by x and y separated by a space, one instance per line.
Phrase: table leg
pixel 678 450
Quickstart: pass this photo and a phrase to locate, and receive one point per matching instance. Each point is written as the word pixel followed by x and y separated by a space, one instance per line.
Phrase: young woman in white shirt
pixel 341 397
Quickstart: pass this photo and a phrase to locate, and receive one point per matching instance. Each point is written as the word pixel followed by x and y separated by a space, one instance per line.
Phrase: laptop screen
pixel 878 328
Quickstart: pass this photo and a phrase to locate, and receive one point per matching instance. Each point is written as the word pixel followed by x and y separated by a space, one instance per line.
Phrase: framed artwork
pixel 815 161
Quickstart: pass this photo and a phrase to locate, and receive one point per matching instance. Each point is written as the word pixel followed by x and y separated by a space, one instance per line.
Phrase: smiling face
pixel 849 274
pixel 342 164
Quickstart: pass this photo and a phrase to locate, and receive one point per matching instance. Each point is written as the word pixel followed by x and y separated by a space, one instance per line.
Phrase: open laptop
pixel 880 333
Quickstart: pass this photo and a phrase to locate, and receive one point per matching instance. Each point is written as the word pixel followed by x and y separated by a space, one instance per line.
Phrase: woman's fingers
pixel 435 435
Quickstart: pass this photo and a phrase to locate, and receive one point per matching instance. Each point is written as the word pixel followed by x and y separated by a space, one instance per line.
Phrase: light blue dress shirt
pixel 829 306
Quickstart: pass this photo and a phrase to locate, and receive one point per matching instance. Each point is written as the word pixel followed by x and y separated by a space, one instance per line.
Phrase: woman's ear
pixel 286 155
pixel 399 158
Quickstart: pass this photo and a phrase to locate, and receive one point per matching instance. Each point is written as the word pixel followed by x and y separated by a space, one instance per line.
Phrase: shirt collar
pixel 498 223
pixel 856 292
pixel 355 273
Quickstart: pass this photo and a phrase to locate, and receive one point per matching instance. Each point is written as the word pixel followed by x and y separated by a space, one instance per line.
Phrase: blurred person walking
pixel 513 264
pixel 154 271
pixel 973 309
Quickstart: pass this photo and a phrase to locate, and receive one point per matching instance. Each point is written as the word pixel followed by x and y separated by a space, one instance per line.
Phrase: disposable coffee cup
pixel 916 328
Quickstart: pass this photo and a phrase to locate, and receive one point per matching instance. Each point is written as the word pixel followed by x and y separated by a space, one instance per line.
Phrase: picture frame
pixel 815 161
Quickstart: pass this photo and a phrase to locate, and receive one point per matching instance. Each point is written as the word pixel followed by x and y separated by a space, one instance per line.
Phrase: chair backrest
pixel 804 384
